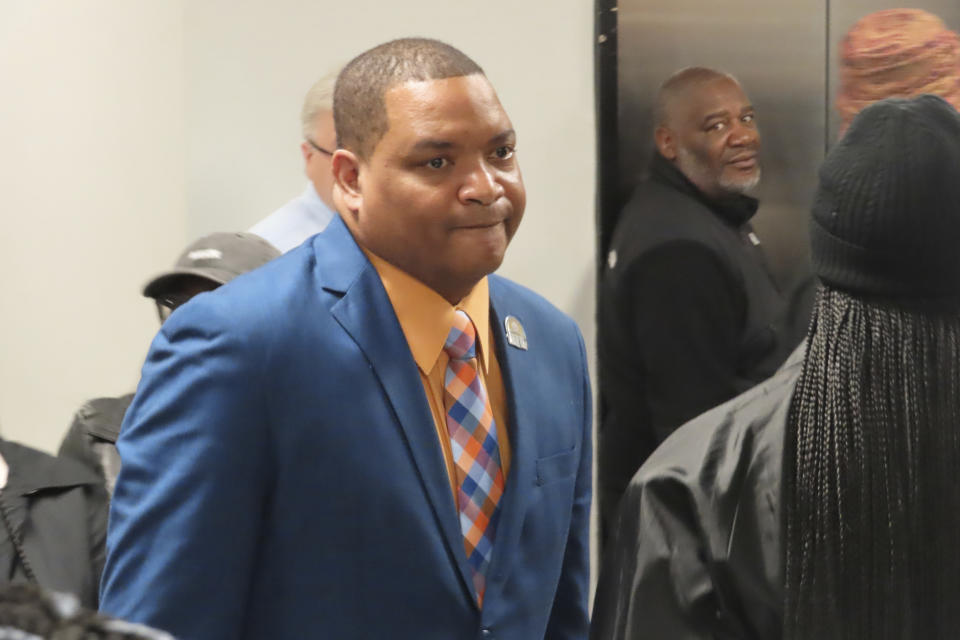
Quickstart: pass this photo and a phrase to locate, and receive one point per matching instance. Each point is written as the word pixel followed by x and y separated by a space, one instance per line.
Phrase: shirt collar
pixel 426 317
pixel 310 193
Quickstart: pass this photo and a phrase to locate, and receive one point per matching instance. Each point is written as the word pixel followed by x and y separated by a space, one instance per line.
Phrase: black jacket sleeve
pixel 687 312
pixel 695 553
pixel 655 582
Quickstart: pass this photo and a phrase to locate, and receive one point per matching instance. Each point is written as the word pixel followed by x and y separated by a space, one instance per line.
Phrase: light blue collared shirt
pixel 294 222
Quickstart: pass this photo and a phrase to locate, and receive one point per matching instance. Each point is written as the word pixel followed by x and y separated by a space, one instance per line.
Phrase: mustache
pixel 740 157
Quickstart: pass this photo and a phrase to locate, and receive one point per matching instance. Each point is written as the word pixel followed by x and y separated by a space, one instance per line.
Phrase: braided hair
pixel 871 475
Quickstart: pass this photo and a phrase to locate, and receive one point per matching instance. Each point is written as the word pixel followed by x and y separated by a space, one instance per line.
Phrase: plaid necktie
pixel 476 454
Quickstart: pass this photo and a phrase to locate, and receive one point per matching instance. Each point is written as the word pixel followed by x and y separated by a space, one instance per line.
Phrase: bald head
pixel 677 90
pixel 359 109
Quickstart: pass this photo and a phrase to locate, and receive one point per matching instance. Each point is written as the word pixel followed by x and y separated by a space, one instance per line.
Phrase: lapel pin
pixel 516 336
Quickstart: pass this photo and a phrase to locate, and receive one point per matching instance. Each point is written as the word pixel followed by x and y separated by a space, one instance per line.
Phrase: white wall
pixel 249 65
pixel 92 199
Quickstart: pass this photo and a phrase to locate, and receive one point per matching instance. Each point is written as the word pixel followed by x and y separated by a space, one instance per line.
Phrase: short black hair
pixel 359 111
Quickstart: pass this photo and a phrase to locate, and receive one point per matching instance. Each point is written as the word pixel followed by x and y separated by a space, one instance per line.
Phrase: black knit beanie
pixel 886 218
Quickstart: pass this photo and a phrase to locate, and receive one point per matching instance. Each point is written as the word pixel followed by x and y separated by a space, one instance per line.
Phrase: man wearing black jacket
pixel 204 265
pixel 689 312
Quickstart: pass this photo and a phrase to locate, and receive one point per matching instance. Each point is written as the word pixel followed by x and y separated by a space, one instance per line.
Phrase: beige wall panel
pixel 91 199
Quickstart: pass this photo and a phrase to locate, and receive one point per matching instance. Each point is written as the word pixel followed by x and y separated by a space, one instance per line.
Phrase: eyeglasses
pixel 319 148
pixel 168 303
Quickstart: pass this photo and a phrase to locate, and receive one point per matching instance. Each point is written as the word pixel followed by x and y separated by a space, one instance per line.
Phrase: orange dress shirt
pixel 425 318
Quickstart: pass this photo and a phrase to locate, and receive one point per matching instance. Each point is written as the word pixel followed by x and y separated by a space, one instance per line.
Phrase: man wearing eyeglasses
pixel 206 264
pixel 310 212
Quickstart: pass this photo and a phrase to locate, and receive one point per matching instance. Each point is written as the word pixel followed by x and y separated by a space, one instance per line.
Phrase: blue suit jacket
pixel 282 477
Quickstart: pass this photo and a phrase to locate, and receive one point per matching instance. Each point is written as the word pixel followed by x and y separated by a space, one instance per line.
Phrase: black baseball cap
pixel 218 257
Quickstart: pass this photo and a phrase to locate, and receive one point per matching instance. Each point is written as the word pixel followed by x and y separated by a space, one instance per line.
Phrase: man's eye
pixel 747 119
pixel 718 126
pixel 437 163
pixel 504 152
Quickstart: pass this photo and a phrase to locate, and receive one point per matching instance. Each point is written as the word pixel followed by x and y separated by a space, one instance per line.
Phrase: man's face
pixel 316 162
pixel 441 194
pixel 716 138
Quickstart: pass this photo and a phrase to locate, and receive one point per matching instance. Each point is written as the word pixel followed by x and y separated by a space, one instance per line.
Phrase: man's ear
pixel 666 142
pixel 346 176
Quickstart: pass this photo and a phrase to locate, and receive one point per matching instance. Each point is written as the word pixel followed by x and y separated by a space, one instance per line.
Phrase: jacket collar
pixel 735 209
pixel 32 471
pixel 339 261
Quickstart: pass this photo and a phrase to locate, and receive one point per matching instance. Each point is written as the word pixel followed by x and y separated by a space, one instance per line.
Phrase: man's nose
pixel 480 186
pixel 744 135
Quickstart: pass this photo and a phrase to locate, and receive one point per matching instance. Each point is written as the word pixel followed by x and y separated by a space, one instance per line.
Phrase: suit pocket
pixel 557 466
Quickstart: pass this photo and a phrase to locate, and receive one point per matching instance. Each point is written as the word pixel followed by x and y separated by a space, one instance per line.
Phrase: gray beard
pixel 743 186
pixel 699 173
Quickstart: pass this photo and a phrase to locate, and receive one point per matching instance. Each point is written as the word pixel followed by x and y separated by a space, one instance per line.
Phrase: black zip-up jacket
pixel 53 523
pixel 689 317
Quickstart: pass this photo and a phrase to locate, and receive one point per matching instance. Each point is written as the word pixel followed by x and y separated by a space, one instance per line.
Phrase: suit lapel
pixel 516 366
pixel 366 314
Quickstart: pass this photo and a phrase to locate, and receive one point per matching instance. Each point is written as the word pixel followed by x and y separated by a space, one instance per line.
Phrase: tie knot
pixel 462 340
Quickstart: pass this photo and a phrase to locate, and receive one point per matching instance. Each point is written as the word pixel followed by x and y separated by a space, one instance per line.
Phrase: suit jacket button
pixel 486 634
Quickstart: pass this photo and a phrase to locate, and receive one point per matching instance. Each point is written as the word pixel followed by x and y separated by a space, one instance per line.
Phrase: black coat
pixel 58 510
pixel 689 316
pixel 696 552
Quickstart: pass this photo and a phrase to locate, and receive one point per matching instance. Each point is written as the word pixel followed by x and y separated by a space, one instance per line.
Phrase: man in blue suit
pixel 369 437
